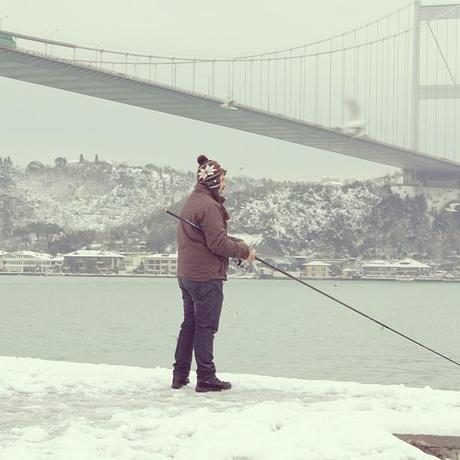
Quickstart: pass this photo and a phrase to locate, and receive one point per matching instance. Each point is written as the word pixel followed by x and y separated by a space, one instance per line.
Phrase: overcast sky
pixel 42 123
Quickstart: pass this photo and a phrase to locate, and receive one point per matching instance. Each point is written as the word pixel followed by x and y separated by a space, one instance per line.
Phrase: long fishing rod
pixel 273 267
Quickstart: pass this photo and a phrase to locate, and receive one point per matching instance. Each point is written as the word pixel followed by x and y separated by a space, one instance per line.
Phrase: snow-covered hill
pixel 63 207
pixel 96 196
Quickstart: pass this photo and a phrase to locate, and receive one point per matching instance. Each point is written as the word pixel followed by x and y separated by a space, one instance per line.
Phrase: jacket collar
pixel 200 188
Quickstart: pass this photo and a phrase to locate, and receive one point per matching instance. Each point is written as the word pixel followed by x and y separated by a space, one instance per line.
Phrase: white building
pixel 377 268
pixel 160 264
pixel 31 262
pixel 93 261
pixel 405 267
pixel 317 269
pixel 411 267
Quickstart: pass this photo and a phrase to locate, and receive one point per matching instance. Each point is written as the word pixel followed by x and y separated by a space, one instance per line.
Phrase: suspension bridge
pixel 386 92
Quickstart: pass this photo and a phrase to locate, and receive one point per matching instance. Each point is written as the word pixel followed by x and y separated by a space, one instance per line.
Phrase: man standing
pixel 201 269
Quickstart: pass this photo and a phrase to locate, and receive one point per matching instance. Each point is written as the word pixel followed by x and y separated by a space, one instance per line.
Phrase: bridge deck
pixel 56 73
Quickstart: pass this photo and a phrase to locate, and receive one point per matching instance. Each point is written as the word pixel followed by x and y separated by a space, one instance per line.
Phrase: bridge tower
pixel 430 13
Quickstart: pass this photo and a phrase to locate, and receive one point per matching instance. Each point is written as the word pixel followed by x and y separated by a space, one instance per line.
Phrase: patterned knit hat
pixel 209 172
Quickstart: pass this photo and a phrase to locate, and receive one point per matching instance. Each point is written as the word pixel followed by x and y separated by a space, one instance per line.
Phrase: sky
pixel 42 123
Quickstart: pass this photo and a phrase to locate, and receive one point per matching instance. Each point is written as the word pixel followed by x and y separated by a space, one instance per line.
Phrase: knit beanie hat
pixel 209 172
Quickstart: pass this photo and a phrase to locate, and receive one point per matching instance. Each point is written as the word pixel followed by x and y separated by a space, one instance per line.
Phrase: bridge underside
pixel 432 179
pixel 55 73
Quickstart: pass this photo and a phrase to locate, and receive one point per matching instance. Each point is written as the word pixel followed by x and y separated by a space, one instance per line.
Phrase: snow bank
pixel 59 410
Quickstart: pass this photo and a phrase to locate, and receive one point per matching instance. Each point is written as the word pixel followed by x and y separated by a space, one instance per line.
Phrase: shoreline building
pixel 93 261
pixel 317 269
pixel 31 262
pixel 160 264
pixel 399 268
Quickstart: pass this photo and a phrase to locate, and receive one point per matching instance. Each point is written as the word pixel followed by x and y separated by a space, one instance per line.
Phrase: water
pixel 268 327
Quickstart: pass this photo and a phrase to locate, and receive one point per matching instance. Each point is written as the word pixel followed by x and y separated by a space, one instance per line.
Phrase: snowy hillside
pixel 55 410
pixel 69 205
pixel 96 196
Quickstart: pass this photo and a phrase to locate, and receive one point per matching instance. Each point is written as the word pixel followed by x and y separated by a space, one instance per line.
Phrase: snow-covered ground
pixel 70 411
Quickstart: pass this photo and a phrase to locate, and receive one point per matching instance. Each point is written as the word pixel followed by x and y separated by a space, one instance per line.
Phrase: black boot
pixel 212 384
pixel 179 382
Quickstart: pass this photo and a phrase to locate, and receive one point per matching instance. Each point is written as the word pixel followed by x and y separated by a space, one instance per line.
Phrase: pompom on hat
pixel 209 172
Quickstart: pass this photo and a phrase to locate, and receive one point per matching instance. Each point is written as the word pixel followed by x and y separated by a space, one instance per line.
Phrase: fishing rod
pixel 295 278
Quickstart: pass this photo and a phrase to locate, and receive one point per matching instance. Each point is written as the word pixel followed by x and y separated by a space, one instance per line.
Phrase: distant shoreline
pixel 132 275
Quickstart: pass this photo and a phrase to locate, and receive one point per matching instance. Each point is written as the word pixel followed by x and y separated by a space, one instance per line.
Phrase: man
pixel 201 269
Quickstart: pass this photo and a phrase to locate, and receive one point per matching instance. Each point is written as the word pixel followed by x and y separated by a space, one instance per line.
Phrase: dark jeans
pixel 202 307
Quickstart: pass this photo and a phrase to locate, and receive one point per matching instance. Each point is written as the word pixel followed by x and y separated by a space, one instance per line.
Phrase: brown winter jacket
pixel 203 256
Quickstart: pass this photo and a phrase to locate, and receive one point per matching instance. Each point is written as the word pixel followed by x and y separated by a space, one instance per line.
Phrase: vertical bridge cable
pixel 387 83
pixel 454 150
pixel 367 83
pixel 275 94
pixel 261 65
pixel 397 71
pixel 304 84
pixel 344 72
pixel 317 84
pixel 446 124
pixel 284 87
pixel 330 84
pixel 427 112
pixel 233 80
pixel 436 101
pixel 290 84
pixel 268 85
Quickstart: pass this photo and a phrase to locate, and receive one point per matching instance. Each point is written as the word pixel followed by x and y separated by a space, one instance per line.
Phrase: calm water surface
pixel 268 327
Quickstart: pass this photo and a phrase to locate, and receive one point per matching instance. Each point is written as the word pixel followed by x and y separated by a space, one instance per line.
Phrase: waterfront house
pixel 400 268
pixel 411 267
pixel 317 269
pixel 160 264
pixel 31 262
pixel 93 261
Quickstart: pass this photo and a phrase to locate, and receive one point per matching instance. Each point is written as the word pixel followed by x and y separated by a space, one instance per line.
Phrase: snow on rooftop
pixel 161 256
pixel 93 253
pixel 316 263
pixel 32 254
pixel 60 410
pixel 409 263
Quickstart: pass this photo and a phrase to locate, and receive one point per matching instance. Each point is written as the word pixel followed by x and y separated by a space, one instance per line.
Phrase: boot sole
pixel 207 390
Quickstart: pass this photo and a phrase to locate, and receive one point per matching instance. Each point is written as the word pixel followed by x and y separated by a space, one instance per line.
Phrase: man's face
pixel 222 183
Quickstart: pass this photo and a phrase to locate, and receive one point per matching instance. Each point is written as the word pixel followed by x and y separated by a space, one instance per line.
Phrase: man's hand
pixel 252 256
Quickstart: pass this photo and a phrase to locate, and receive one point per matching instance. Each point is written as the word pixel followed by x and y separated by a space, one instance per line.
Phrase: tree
pixel 35 166
pixel 60 162
pixel 82 158
pixel 96 158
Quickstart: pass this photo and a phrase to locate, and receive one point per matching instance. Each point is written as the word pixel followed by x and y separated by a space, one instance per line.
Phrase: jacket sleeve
pixel 215 233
